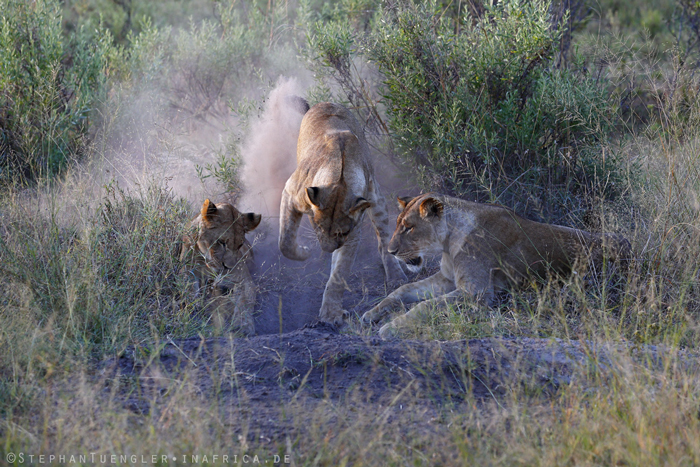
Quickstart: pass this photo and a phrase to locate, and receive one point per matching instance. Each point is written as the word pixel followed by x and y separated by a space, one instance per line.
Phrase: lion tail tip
pixel 298 103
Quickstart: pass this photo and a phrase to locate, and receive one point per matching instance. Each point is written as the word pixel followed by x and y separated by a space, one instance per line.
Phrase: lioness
pixel 220 263
pixel 484 247
pixel 334 184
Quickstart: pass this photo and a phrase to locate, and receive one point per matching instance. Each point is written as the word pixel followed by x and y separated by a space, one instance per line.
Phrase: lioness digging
pixel 220 263
pixel 334 184
pixel 484 247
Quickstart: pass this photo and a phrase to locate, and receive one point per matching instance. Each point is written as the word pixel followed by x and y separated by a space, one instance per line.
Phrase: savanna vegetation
pixel 578 112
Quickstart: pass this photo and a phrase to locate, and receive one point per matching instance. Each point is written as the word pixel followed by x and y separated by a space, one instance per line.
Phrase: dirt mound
pixel 314 366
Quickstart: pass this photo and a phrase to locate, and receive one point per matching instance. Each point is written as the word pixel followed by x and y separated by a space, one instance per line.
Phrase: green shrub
pixel 206 67
pixel 480 110
pixel 48 89
pixel 484 109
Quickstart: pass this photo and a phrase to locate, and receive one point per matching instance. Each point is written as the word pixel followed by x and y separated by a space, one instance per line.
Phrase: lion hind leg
pixel 476 275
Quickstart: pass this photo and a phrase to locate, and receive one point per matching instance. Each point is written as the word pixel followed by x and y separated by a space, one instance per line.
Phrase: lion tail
pixel 298 103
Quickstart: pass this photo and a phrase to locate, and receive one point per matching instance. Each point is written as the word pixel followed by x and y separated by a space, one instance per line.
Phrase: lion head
pixel 335 213
pixel 221 235
pixel 418 231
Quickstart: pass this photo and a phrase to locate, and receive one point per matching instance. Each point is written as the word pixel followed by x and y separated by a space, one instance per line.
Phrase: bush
pixel 481 110
pixel 48 89
pixel 195 85
pixel 486 108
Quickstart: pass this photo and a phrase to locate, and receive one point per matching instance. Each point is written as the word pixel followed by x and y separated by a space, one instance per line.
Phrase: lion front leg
pixel 434 286
pixel 233 301
pixel 341 263
pixel 289 227
pixel 419 314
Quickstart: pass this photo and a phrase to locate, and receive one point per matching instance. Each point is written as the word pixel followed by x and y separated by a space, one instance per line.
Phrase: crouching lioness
pixel 334 184
pixel 219 252
pixel 484 247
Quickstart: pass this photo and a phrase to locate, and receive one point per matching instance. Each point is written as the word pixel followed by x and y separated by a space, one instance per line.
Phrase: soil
pixel 298 374
pixel 290 292
pixel 317 363
pixel 270 377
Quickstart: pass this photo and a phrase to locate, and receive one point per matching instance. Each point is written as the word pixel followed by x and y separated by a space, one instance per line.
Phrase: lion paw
pixel 294 252
pixel 302 253
pixel 336 316
pixel 247 328
pixel 388 331
pixel 385 307
pixel 372 316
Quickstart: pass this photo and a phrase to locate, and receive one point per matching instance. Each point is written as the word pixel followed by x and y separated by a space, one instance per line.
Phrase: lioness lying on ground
pixel 484 247
pixel 220 263
pixel 334 184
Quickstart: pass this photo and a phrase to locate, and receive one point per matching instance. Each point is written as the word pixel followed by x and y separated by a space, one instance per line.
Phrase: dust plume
pixel 269 152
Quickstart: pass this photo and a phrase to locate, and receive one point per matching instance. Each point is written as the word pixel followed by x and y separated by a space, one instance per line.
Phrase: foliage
pixel 49 86
pixel 225 171
pixel 482 110
pixel 688 35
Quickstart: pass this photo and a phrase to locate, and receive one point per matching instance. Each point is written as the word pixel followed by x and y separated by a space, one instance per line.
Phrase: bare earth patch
pixel 272 380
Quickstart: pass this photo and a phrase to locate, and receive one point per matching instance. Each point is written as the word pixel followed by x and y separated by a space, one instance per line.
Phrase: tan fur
pixel 484 247
pixel 219 252
pixel 334 184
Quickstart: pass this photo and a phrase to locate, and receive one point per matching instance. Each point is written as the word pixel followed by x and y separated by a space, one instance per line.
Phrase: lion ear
pixel 430 207
pixel 315 195
pixel 403 201
pixel 360 205
pixel 251 221
pixel 208 210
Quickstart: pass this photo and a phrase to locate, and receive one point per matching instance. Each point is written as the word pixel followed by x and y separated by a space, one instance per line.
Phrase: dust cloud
pixel 269 151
